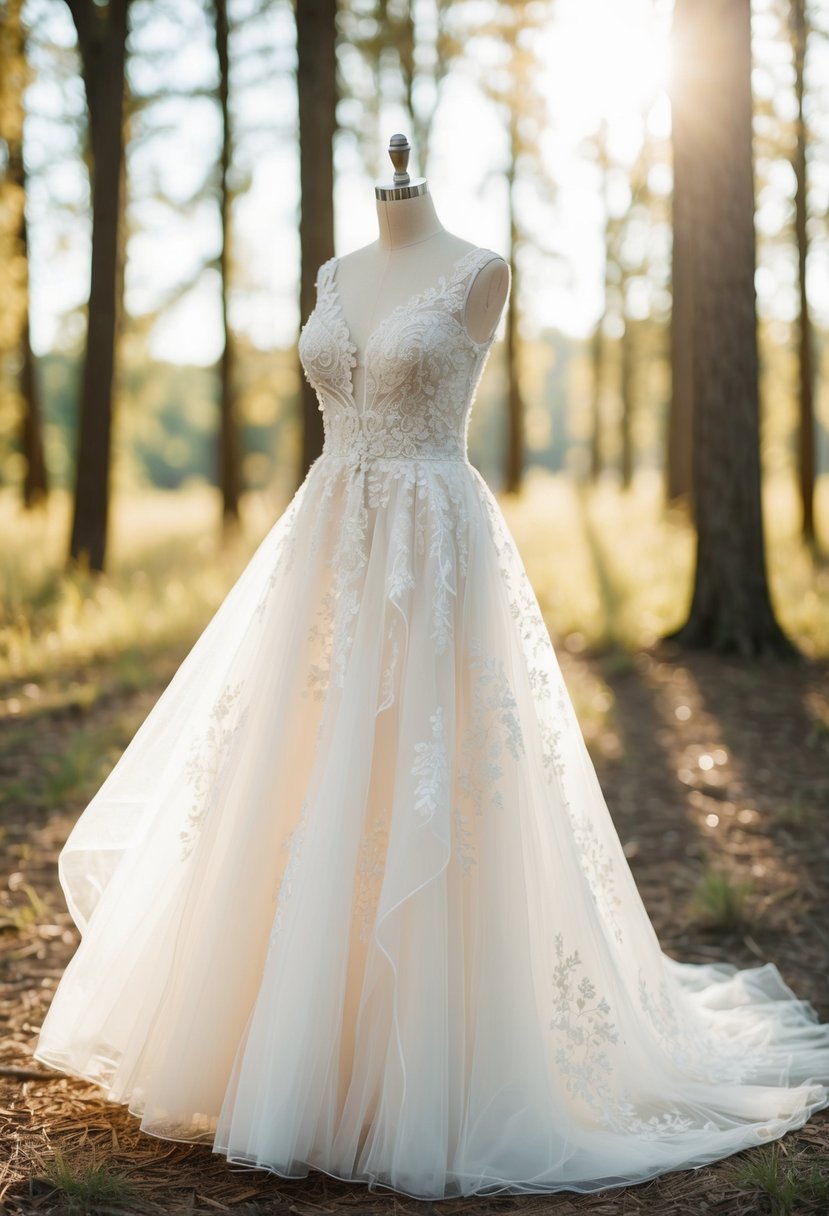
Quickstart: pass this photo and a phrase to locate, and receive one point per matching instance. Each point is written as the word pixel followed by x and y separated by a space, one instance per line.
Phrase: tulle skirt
pixel 352 899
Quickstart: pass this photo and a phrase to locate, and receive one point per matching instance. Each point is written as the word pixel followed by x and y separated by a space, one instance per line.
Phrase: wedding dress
pixel 352 899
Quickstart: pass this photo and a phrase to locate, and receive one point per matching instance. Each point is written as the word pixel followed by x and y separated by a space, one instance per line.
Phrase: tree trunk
pixel 229 453
pixel 597 344
pixel 627 395
pixel 806 428
pixel 731 608
pixel 597 379
pixel 35 479
pixel 317 98
pixel 102 43
pixel 679 443
pixel 514 462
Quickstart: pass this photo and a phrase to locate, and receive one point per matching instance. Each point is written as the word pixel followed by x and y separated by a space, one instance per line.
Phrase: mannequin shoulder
pixel 358 267
pixel 487 294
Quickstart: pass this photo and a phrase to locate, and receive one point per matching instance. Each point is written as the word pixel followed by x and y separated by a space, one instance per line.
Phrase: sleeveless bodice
pixel 421 370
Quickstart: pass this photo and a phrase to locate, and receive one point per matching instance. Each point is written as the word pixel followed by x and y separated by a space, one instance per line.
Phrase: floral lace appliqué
pixel 370 869
pixel 586 1034
pixel 422 370
pixel 493 730
pixel 694 1049
pixel 207 761
pixel 584 1027
pixel 432 767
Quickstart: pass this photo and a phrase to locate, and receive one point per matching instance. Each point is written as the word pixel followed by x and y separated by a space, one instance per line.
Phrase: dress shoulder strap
pixel 485 256
pixel 324 271
pixel 463 279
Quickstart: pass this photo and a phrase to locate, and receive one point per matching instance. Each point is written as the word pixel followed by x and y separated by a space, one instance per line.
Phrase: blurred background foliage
pixel 204 156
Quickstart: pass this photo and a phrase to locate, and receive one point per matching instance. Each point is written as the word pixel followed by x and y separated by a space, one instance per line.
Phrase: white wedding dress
pixel 351 899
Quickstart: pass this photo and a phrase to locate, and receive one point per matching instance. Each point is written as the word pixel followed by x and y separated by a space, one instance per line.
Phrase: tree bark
pixel 731 609
pixel 679 441
pixel 597 342
pixel 102 37
pixel 317 98
pixel 806 429
pixel 514 462
pixel 229 447
pixel 628 401
pixel 35 478
pixel 597 365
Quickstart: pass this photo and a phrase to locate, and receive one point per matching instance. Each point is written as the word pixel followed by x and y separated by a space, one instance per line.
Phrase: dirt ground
pixel 707 765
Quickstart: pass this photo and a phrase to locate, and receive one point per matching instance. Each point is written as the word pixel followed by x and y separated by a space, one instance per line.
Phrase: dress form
pixel 412 252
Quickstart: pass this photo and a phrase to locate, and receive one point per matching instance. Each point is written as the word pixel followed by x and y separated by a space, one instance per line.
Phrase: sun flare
pixel 610 60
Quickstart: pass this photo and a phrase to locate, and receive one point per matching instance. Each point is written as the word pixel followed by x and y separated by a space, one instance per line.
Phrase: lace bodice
pixel 422 368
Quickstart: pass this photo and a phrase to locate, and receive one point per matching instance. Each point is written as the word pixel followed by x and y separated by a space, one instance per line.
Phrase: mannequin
pixel 413 250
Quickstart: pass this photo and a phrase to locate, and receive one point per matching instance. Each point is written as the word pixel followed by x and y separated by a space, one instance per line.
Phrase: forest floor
pixel 716 772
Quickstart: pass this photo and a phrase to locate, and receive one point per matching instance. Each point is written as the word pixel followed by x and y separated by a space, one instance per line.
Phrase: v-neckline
pixel 412 301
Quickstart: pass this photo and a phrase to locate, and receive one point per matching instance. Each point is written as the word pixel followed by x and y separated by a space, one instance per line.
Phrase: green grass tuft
pixel 87 1185
pixel 720 901
pixel 786 1184
pixel 23 917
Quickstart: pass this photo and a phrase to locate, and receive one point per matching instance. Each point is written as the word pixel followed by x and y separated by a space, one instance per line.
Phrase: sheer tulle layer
pixel 352 899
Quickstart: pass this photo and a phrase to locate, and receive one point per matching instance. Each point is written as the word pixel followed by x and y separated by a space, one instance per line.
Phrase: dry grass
pixel 167 574
pixel 613 571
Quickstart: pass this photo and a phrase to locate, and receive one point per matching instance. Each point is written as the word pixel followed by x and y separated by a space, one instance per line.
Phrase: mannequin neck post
pixel 406 221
